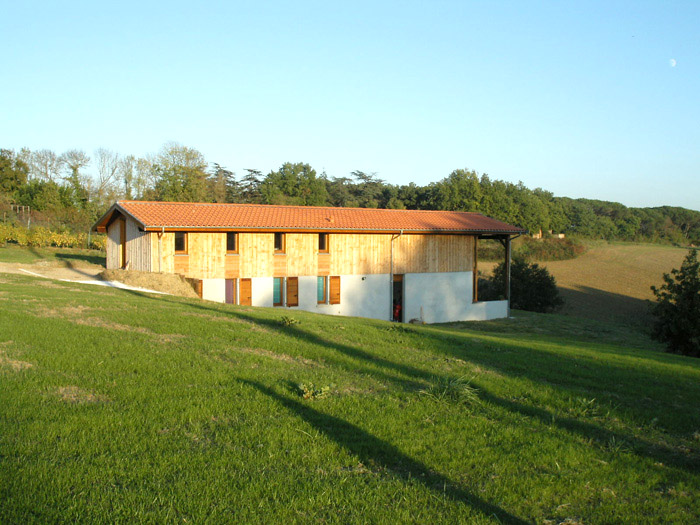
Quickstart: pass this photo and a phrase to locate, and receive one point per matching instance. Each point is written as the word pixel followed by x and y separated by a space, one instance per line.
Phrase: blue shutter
pixel 277 291
pixel 321 290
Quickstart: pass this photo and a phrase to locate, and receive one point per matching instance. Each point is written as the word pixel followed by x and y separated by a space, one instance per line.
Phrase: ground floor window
pixel 277 299
pixel 321 291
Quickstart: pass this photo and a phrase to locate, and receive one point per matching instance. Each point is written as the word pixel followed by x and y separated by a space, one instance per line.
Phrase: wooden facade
pixel 348 254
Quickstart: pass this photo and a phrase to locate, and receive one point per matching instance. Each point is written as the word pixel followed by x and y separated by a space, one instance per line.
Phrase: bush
pixel 532 287
pixel 677 310
pixel 41 237
pixel 547 249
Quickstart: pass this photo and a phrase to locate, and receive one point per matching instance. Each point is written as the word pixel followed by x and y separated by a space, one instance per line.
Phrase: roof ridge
pixel 294 206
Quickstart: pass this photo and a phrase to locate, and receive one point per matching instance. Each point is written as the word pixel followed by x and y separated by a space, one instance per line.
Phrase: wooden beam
pixel 507 261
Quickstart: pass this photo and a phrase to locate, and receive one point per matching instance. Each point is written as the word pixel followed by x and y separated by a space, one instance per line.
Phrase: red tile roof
pixel 186 215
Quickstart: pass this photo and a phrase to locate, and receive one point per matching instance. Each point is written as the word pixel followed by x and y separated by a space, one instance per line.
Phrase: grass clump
pixel 451 390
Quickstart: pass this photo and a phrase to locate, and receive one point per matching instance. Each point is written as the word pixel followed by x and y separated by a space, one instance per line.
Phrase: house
pixel 383 264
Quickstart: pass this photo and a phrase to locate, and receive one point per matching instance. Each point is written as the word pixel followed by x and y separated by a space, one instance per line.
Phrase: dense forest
pixel 69 191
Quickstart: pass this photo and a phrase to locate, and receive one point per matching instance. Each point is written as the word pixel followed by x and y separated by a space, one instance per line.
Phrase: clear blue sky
pixel 585 99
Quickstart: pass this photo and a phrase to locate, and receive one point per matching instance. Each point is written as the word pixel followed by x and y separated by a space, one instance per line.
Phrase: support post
pixel 507 290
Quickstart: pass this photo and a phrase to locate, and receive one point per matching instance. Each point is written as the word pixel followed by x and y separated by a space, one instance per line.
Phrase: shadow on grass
pixel 371 450
pixel 585 301
pixel 68 258
pixel 538 366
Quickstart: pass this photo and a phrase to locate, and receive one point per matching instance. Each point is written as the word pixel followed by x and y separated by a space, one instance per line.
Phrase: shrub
pixel 547 249
pixel 677 310
pixel 532 287
pixel 41 237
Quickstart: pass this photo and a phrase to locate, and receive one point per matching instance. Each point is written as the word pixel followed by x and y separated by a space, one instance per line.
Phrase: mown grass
pixel 118 406
pixel 29 255
pixel 612 281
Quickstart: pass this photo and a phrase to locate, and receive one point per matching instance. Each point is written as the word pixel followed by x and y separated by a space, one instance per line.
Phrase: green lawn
pixel 66 256
pixel 119 406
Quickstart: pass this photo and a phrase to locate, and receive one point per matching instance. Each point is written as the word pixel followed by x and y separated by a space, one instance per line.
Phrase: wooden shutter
pixel 199 286
pixel 292 291
pixel 246 293
pixel 334 288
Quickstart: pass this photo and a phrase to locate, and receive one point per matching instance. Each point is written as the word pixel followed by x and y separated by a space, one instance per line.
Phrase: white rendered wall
pixel 360 296
pixel 487 310
pixel 446 297
pixel 214 290
pixel 261 291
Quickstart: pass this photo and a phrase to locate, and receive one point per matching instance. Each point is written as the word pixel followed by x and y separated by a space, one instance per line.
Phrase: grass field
pixel 119 406
pixel 612 281
pixel 29 255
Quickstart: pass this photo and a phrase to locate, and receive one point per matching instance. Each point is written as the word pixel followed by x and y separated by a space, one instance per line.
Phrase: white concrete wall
pixel 214 290
pixel 446 297
pixel 261 290
pixel 361 296
pixel 486 310
pixel 443 297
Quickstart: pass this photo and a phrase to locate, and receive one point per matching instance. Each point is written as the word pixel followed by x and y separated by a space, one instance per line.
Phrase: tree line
pixel 72 189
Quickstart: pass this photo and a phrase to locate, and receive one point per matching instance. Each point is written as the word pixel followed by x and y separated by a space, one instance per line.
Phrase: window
pixel 231 242
pixel 323 243
pixel 277 291
pixel 321 290
pixel 180 242
pixel 292 291
pixel 334 290
pixel 279 242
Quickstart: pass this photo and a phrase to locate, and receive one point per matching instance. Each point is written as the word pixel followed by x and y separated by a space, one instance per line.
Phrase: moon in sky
pixel 672 62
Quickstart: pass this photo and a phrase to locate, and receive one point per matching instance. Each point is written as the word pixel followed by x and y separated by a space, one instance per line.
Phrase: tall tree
pixel 223 184
pixel 249 187
pixel 182 175
pixel 294 183
pixel 14 172
pixel 45 165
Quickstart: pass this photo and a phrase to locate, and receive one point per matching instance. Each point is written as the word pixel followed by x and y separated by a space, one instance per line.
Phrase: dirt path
pixel 52 271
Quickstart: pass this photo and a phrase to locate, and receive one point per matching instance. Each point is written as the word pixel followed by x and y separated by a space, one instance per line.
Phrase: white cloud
pixel 672 62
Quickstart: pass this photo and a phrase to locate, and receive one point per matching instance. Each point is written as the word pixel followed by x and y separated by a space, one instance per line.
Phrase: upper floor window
pixel 231 242
pixel 279 243
pixel 180 242
pixel 323 243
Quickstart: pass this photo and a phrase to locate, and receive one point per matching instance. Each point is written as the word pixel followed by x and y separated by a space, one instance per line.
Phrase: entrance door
pixel 122 244
pixel 246 292
pixel 397 307
pixel 230 291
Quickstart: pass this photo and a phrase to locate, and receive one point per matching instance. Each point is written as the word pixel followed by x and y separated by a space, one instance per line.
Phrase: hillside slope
pixel 120 406
pixel 611 281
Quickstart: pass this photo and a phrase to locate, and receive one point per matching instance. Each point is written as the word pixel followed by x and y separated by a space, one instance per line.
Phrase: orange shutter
pixel 334 290
pixel 245 292
pixel 292 291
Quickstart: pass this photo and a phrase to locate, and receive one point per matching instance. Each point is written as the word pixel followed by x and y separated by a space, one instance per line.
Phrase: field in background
pixel 121 406
pixel 612 281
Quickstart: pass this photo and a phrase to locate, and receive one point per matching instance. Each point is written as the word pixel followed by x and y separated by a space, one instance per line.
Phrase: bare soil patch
pixel 160 282
pixel 74 394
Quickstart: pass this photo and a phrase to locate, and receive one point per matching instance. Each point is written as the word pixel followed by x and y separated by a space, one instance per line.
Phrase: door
pixel 397 307
pixel 246 292
pixel 230 291
pixel 122 244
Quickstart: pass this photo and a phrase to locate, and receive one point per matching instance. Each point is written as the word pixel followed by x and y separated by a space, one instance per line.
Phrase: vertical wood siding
pixel 113 234
pixel 138 247
pixel 349 254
